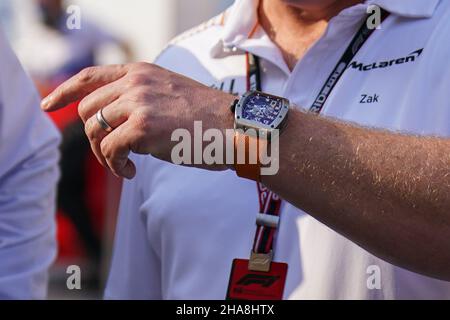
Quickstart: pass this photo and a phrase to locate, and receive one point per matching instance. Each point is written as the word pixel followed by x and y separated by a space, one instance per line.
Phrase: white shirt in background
pixel 28 176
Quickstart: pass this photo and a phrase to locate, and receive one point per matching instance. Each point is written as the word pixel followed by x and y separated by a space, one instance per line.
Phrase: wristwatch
pixel 256 116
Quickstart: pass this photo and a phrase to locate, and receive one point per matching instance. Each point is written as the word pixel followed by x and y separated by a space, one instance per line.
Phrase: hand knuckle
pixel 87 74
pixel 97 153
pixel 116 163
pixel 140 96
pixel 82 109
pixel 105 149
pixel 91 133
pixel 141 65
pixel 137 79
pixel 142 121
pixel 141 136
pixel 88 129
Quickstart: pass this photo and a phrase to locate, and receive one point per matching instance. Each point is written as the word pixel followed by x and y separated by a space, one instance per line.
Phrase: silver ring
pixel 102 122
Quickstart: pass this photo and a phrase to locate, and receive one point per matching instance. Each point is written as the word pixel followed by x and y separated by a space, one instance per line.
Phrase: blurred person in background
pixel 28 177
pixel 52 52
pixel 6 16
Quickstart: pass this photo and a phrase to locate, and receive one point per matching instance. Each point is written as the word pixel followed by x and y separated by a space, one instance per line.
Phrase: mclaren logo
pixel 413 56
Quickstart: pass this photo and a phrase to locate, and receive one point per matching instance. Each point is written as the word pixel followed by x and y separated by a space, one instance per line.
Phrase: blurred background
pixel 54 39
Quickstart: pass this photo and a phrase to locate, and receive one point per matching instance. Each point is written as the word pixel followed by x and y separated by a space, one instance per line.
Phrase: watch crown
pixel 233 105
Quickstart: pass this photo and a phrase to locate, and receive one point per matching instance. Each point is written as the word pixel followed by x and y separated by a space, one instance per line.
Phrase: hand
pixel 144 104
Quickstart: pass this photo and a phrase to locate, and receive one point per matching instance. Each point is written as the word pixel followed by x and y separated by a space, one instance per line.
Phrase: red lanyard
pixel 260 277
pixel 269 202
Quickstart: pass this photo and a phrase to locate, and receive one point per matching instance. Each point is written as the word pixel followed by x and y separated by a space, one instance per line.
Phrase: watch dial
pixel 262 109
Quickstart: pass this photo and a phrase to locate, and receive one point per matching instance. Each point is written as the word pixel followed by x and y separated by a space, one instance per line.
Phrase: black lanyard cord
pixel 358 41
pixel 269 202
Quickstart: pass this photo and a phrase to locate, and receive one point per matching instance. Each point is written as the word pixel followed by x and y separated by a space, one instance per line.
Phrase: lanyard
pixel 269 202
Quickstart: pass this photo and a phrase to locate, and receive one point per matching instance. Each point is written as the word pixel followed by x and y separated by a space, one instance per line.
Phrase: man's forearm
pixel 387 192
pixel 384 191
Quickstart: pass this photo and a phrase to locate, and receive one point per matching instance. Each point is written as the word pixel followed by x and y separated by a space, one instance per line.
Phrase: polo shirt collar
pixel 242 17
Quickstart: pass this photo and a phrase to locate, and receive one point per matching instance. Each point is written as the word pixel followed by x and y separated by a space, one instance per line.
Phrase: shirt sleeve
pixel 135 268
pixel 28 176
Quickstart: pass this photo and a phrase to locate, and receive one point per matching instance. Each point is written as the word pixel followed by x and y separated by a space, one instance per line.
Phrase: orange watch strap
pixel 250 166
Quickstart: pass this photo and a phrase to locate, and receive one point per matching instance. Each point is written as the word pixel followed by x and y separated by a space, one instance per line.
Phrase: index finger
pixel 81 85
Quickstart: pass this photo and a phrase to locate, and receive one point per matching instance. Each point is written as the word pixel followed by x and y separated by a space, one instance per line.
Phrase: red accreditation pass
pixel 246 284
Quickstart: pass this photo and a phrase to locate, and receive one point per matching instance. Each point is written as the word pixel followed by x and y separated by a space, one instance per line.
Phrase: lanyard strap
pixel 357 43
pixel 269 202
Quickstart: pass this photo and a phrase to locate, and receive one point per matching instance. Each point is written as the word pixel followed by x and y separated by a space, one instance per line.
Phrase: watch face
pixel 262 108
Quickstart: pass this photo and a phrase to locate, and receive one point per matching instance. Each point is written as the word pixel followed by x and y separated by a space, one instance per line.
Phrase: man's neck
pixel 295 29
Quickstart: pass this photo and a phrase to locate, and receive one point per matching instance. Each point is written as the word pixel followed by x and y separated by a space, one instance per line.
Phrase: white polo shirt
pixel 180 228
pixel 28 177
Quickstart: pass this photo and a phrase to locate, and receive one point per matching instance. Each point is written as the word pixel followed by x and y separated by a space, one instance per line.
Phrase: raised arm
pixel 385 191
